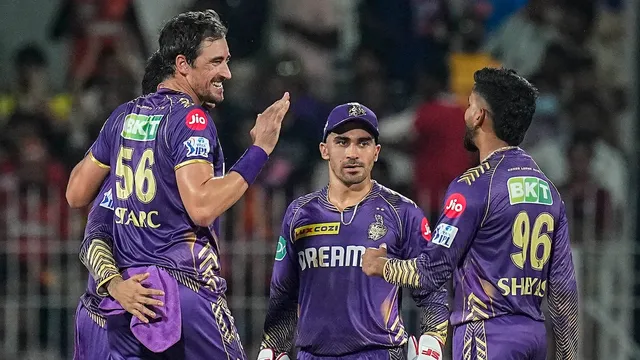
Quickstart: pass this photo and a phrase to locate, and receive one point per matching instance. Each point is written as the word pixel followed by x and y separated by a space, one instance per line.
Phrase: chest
pixel 331 239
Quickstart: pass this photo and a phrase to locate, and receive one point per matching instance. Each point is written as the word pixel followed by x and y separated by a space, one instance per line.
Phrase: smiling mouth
pixel 217 84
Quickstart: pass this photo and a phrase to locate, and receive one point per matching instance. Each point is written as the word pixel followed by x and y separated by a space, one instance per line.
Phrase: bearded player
pixel 170 188
pixel 503 235
pixel 317 288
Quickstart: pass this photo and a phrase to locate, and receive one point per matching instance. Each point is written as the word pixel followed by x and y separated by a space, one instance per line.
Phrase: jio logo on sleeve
pixel 455 205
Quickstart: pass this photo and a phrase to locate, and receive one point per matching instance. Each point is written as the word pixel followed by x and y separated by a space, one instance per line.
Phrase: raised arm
pixel 205 196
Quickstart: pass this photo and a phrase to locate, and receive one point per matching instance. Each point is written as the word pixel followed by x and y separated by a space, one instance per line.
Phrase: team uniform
pixel 318 283
pixel 144 142
pixel 90 329
pixel 504 235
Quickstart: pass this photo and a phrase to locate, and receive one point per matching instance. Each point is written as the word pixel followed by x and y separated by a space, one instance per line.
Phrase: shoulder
pixel 401 204
pixel 301 202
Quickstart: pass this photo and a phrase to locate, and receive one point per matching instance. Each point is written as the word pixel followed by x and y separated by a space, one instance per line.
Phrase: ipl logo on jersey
pixel 445 234
pixel 197 146
pixel 377 229
pixel 107 200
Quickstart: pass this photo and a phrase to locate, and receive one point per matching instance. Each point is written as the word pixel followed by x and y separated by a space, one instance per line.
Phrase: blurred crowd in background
pixel 410 61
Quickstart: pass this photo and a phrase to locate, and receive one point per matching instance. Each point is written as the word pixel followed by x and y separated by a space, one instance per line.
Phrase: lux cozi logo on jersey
pixel 330 256
pixel 529 190
pixel 141 127
pixel 332 228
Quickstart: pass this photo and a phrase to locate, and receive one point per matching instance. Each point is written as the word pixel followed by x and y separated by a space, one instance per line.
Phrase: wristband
pixel 250 163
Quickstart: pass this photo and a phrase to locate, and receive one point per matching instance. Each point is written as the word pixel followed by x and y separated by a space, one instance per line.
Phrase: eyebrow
pixel 220 58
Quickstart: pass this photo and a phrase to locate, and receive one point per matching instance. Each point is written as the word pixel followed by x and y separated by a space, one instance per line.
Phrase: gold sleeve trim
pixel 402 273
pixel 189 162
pixel 101 288
pixel 97 162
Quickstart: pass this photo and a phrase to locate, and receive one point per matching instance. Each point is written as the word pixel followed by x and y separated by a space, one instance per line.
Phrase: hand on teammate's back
pixel 134 297
pixel 266 131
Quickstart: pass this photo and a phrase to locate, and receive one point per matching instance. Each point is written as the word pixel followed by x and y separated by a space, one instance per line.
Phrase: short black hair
pixel 153 73
pixel 183 34
pixel 512 102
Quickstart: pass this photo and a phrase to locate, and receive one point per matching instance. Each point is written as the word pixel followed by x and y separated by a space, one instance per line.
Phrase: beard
pixel 469 134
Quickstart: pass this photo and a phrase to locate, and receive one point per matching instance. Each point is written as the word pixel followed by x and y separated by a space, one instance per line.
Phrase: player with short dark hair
pixel 317 288
pixel 153 74
pixel 90 325
pixel 503 235
pixel 163 155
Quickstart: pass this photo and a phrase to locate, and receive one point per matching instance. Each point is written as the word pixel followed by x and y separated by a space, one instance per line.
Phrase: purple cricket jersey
pixel 318 281
pixel 97 246
pixel 144 142
pixel 503 234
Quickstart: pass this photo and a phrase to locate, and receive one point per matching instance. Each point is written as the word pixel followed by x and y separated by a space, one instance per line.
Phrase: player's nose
pixel 226 72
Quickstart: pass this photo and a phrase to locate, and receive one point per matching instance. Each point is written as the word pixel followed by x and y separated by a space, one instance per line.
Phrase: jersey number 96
pixel 530 239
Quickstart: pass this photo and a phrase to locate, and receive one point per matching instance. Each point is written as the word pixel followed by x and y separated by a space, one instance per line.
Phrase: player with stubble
pixel 502 235
pixel 318 290
pixel 170 188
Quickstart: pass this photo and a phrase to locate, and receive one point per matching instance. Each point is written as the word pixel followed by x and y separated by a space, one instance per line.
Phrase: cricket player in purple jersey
pixel 170 187
pixel 96 254
pixel 503 235
pixel 90 326
pixel 317 288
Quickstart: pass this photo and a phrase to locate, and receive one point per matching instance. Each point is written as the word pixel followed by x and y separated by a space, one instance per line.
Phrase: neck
pixel 342 196
pixel 488 147
pixel 180 84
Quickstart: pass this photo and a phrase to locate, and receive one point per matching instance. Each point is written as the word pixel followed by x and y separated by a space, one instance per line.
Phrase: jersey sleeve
pixel 191 136
pixel 100 150
pixel 282 314
pixel 563 293
pixel 96 251
pixel 464 208
pixel 435 310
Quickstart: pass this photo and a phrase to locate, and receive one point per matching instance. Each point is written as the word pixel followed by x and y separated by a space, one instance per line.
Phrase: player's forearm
pixel 421 272
pixel 279 328
pixel 563 308
pixel 98 258
pixel 435 314
pixel 216 196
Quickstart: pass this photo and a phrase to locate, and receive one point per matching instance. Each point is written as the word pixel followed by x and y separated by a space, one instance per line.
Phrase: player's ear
pixel 324 151
pixel 480 117
pixel 378 147
pixel 182 65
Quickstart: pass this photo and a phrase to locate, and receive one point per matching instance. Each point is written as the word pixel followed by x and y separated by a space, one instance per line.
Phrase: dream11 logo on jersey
pixel 455 205
pixel 196 120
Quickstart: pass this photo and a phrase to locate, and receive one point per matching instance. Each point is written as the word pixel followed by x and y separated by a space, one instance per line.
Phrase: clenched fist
pixel 373 260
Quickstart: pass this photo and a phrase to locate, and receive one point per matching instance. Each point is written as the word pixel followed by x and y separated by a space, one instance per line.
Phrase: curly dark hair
pixel 512 101
pixel 183 35
pixel 153 73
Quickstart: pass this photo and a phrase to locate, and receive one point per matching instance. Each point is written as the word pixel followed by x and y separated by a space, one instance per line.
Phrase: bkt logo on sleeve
pixel 107 200
pixel 197 146
pixel 445 234
pixel 529 190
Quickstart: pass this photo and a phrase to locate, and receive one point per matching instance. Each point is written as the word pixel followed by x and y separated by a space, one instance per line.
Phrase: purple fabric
pixel 163 331
pixel 251 163
pixel 351 112
pixel 494 338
